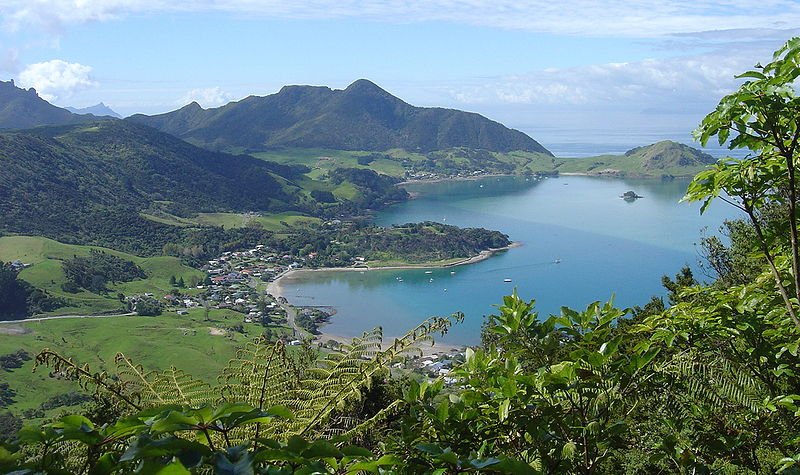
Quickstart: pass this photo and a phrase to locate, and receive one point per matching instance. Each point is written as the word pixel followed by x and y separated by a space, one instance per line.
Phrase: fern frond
pixel 339 377
pixel 171 386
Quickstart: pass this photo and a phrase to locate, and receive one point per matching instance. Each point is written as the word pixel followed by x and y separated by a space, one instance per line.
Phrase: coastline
pixel 275 288
pixel 615 174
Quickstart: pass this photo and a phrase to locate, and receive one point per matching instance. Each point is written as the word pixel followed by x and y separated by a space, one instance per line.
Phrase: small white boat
pixel 557 261
pixel 431 280
pixel 452 272
pixel 506 280
pixel 429 272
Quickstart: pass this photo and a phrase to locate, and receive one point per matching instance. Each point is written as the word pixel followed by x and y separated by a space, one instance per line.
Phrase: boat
pixel 429 272
pixel 430 280
pixel 506 280
pixel 452 272
pixel 557 261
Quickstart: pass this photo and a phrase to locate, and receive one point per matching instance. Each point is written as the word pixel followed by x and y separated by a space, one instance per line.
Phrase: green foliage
pixel 95 270
pixel 19 299
pixel 763 116
pixel 14 360
pixel 240 426
pixel 551 393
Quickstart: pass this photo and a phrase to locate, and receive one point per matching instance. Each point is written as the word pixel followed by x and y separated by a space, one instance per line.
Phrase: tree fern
pixel 263 376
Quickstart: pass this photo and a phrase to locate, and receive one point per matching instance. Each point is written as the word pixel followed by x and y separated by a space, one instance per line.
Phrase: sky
pixel 568 71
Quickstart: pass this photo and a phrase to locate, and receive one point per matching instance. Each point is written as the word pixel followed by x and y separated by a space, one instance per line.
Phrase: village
pixel 237 281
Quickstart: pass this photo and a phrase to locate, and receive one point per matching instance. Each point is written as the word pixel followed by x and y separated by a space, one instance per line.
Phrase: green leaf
pixel 502 410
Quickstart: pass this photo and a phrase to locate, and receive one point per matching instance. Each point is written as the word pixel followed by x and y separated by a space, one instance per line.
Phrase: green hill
pixel 130 187
pixel 43 258
pixel 23 109
pixel 361 117
pixel 87 183
pixel 665 158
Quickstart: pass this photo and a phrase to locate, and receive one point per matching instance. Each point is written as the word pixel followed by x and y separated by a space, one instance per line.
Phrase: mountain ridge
pixel 24 109
pixel 97 110
pixel 362 116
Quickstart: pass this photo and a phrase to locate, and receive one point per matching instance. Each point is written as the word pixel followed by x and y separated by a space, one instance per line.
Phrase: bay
pixel 579 243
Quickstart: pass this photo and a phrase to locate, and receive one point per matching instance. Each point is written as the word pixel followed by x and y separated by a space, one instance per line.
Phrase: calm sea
pixel 580 243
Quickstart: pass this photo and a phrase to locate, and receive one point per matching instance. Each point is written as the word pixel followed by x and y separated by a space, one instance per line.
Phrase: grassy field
pixel 46 257
pixel 623 165
pixel 321 160
pixel 272 222
pixel 199 347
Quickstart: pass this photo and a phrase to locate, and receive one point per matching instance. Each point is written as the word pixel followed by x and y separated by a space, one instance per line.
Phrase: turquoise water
pixel 604 246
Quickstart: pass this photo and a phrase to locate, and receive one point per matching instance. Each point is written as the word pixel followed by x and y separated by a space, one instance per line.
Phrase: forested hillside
pixel 23 109
pixel 88 183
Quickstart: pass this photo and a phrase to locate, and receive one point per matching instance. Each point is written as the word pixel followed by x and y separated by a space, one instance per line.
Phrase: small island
pixel 630 196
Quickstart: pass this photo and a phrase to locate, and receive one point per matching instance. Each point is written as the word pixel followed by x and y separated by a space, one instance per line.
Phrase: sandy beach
pixel 275 287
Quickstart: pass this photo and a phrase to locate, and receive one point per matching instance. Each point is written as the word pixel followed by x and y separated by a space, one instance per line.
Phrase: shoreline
pixel 275 288
pixel 427 349
pixel 548 174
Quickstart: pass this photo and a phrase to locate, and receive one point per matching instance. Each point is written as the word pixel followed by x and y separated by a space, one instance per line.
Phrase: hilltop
pixel 361 117
pixel 661 159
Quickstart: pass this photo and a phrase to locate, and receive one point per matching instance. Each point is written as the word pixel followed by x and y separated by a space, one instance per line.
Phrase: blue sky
pixel 618 69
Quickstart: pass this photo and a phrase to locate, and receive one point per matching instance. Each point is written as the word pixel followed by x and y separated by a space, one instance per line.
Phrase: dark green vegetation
pixel 88 184
pixel 96 270
pixel 662 159
pixel 19 299
pixel 413 243
pixel 22 109
pixel 361 117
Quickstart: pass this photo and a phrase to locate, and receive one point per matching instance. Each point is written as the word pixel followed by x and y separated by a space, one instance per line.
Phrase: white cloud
pixel 679 82
pixel 207 97
pixel 56 78
pixel 626 18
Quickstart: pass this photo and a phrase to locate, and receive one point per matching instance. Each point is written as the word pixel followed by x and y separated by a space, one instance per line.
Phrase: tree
pixel 763 115
pixel 13 294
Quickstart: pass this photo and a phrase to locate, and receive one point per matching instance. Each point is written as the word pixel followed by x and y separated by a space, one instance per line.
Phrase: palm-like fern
pixel 262 376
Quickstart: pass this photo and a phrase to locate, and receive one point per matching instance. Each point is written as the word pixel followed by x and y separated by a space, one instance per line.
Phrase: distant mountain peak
pixel 99 110
pixel 365 85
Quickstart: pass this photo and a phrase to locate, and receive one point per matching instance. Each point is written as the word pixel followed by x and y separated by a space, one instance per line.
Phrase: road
pixel 55 317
